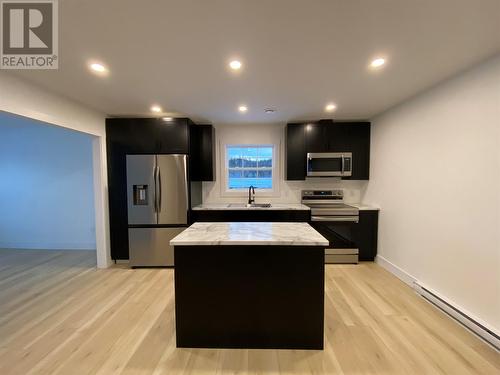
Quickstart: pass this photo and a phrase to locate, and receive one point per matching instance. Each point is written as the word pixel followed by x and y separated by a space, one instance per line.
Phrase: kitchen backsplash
pixel 290 191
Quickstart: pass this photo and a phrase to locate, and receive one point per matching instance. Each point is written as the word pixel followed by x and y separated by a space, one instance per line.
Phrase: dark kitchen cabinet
pixel 316 137
pixel 295 152
pixel 149 135
pixel 251 215
pixel 173 137
pixel 354 137
pixel 328 136
pixel 337 137
pixel 136 136
pixel 365 234
pixel 202 153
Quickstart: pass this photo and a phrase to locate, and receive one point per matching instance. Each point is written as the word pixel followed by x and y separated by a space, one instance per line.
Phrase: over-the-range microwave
pixel 329 164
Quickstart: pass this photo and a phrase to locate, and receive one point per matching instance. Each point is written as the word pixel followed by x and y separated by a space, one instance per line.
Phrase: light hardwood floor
pixel 61 315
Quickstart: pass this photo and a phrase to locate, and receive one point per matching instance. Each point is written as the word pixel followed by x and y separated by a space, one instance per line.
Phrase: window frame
pixel 225 191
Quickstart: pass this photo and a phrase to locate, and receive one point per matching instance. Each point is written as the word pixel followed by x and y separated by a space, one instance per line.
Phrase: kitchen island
pixel 249 285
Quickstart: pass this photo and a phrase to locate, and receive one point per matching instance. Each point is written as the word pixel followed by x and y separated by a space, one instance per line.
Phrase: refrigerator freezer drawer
pixel 150 247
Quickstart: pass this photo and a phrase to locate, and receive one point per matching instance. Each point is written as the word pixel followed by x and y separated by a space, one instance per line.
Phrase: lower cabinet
pixel 365 234
pixel 250 215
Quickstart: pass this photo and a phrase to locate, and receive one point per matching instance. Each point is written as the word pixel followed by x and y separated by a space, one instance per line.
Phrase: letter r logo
pixel 27 27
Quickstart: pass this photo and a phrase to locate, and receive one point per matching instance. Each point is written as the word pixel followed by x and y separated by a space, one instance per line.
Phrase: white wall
pixel 46 186
pixel 435 171
pixel 23 98
pixel 289 191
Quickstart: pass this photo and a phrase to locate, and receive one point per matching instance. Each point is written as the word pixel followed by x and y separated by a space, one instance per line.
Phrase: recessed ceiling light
pixel 98 68
pixel 330 107
pixel 168 119
pixel 243 108
pixel 269 110
pixel 156 108
pixel 235 65
pixel 377 63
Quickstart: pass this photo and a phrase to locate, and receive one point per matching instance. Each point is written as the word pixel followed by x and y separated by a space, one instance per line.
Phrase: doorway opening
pixel 47 194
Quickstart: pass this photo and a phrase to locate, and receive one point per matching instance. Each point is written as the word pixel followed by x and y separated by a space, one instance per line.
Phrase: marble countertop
pixel 274 206
pixel 284 234
pixel 242 206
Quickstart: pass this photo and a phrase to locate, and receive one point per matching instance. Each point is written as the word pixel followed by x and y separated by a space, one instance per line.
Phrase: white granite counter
pixel 284 234
pixel 242 206
pixel 274 206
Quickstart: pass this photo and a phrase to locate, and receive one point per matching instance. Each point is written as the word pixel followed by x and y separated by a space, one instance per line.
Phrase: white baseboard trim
pixel 461 315
pixel 395 270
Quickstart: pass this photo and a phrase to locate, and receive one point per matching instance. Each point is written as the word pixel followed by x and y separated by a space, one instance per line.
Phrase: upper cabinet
pixel 149 135
pixel 202 153
pixel 295 152
pixel 328 136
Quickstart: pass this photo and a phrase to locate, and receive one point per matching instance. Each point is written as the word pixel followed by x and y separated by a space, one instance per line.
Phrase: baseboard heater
pixel 473 325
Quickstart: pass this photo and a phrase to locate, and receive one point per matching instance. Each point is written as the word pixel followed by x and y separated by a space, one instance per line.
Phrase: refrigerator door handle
pixel 155 198
pixel 186 191
pixel 159 189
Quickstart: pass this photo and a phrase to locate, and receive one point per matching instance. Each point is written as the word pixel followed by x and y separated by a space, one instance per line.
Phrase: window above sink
pixel 248 165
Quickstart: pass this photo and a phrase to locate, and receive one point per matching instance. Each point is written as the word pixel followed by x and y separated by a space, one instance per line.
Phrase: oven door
pixel 339 231
pixel 330 164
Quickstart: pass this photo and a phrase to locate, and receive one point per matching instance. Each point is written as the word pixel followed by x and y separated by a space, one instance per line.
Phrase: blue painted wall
pixel 46 186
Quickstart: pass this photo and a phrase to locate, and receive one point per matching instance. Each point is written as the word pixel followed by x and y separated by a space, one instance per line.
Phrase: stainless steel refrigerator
pixel 157 195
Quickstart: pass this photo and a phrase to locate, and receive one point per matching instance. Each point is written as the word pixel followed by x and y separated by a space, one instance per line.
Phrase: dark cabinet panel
pixel 356 139
pixel 295 152
pixel 135 135
pixel 316 137
pixel 150 135
pixel 328 136
pixel 251 215
pixel 173 136
pixel 365 234
pixel 202 153
pixel 117 196
pixel 338 137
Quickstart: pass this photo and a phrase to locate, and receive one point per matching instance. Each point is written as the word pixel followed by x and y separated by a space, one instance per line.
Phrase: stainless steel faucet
pixel 251 195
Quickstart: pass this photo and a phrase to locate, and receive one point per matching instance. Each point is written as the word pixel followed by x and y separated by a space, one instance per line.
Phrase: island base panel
pixel 249 297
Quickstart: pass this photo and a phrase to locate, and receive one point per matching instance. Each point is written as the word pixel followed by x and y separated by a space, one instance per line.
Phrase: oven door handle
pixel 320 202
pixel 351 219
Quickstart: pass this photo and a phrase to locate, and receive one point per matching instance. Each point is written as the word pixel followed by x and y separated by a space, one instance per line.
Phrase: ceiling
pixel 297 55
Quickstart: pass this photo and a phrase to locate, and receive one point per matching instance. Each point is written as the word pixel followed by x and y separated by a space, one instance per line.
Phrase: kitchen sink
pixel 245 205
pixel 261 205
